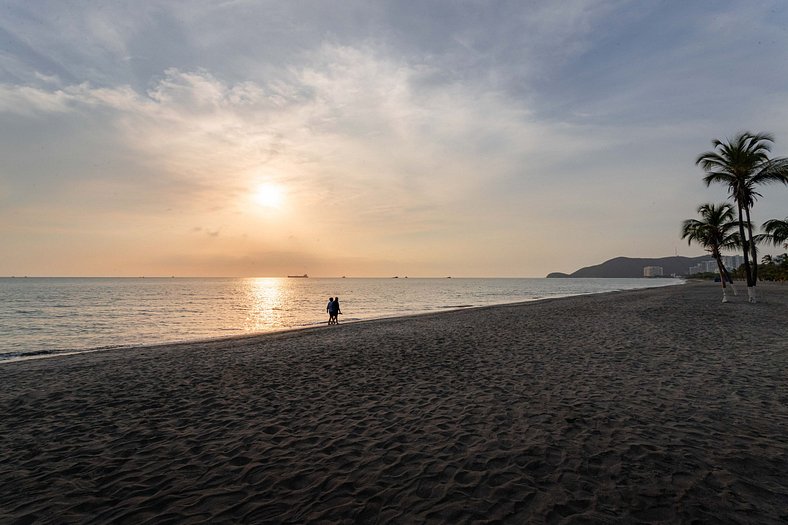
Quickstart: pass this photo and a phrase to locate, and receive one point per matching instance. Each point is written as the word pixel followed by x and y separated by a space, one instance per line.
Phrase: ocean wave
pixel 7 356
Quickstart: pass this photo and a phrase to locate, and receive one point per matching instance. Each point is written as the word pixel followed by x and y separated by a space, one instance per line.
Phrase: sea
pixel 47 317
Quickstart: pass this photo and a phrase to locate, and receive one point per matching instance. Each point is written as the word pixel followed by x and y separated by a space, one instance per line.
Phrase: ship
pixel 298 276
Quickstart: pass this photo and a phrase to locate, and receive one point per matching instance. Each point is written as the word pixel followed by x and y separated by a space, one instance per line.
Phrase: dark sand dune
pixel 659 405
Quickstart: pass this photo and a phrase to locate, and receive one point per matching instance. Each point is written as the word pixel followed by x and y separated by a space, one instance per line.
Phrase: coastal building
pixel 731 263
pixel 709 266
pixel 653 271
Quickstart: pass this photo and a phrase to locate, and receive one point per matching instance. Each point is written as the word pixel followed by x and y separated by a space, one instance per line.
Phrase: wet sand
pixel 660 405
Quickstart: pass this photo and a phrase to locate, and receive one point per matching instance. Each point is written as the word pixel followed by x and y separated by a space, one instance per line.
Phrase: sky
pixel 372 138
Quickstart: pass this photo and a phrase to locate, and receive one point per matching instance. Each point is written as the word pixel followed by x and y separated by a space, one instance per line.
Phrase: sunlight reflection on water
pixel 51 315
pixel 266 303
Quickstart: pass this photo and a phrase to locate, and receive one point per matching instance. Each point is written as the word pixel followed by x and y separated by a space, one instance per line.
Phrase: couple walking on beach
pixel 333 310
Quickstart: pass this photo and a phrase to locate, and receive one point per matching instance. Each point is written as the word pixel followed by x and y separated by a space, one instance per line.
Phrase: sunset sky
pixel 371 138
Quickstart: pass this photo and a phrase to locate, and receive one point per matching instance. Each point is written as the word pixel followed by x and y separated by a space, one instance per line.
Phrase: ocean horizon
pixel 49 316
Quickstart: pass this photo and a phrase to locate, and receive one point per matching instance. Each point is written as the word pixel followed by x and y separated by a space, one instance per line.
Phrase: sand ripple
pixel 658 406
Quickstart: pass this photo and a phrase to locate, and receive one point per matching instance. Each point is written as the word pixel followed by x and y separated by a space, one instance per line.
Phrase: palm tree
pixel 776 232
pixel 743 164
pixel 715 231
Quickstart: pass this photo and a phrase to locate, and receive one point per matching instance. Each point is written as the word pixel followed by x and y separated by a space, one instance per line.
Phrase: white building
pixel 709 266
pixel 732 262
pixel 653 271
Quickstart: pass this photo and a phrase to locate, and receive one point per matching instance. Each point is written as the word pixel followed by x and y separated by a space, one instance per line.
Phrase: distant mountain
pixel 633 267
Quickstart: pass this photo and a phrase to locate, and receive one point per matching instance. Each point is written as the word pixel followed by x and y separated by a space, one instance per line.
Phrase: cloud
pixel 365 148
pixel 349 110
pixel 429 133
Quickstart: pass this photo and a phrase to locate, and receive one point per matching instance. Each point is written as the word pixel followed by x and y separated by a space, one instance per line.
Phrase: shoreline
pixel 53 354
pixel 636 406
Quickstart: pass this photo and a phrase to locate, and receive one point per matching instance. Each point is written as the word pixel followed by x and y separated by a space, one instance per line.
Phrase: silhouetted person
pixel 334 311
pixel 328 309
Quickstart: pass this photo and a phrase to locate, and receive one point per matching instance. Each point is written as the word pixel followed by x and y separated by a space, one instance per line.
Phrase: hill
pixel 633 267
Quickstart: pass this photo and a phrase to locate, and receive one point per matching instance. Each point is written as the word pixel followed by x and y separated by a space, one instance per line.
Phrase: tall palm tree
pixel 743 164
pixel 715 231
pixel 776 232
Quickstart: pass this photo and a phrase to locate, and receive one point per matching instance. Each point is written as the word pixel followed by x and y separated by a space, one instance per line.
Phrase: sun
pixel 268 195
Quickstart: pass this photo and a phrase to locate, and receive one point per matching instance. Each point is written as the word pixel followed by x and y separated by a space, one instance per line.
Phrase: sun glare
pixel 268 195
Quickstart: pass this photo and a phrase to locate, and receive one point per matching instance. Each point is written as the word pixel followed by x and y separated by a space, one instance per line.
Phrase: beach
pixel 661 405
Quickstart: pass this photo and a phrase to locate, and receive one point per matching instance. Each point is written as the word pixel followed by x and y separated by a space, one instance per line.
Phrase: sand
pixel 660 405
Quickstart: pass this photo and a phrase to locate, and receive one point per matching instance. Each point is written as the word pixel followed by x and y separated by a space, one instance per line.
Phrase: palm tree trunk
pixel 730 279
pixel 747 271
pixel 753 251
pixel 721 269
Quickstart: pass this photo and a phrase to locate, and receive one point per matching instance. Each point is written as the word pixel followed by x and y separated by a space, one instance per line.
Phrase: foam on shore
pixel 641 406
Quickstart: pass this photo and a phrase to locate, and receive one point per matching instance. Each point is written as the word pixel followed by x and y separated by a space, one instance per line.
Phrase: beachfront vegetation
pixel 771 269
pixel 743 165
pixel 774 268
pixel 714 231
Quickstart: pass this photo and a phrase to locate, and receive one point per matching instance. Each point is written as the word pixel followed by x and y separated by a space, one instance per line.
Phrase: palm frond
pixel 774 171
pixel 714 230
pixel 719 177
pixel 730 242
pixel 742 164
pixel 776 231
